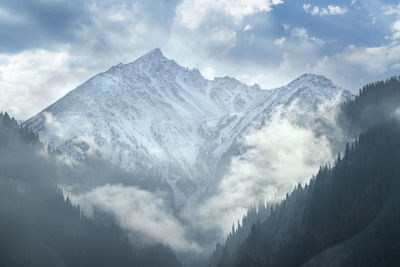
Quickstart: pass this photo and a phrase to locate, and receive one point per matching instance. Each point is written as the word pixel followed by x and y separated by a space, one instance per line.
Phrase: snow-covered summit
pixel 155 113
pixel 308 91
pixel 155 60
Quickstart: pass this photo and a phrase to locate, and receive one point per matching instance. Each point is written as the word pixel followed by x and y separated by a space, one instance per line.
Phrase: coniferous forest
pixel 38 224
pixel 349 213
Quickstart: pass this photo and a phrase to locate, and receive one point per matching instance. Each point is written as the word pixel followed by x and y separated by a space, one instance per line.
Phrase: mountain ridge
pixel 154 113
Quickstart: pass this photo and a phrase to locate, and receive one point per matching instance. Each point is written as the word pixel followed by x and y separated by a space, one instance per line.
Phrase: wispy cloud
pixel 279 156
pixel 191 14
pixel 392 10
pixel 144 215
pixel 323 11
pixel 32 79
pixel 280 41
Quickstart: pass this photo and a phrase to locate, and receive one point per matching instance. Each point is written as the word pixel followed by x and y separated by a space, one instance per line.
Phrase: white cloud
pixel 392 10
pixel 248 27
pixel 279 41
pixel 280 156
pixel 300 33
pixel 360 64
pixel 371 59
pixel 191 13
pixel 204 27
pixel 397 113
pixel 54 125
pixel 139 212
pixel 315 10
pixel 395 26
pixel 208 72
pixel 306 7
pixel 396 29
pixel 32 79
pixel 286 27
pixel 322 11
pixel 223 36
pixel 333 10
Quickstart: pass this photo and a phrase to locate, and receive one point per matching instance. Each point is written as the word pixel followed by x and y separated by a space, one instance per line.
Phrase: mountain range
pixel 153 114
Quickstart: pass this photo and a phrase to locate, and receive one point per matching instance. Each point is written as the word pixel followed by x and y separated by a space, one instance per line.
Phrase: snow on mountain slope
pixel 153 113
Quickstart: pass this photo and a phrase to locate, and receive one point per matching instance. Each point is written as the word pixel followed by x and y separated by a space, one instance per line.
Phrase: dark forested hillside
pixel 349 214
pixel 376 103
pixel 226 252
pixel 39 227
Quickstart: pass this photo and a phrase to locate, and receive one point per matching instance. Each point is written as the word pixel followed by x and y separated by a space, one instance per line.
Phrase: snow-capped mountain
pixel 153 113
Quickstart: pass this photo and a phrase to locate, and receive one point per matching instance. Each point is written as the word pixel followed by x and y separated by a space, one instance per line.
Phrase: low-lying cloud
pixel 142 214
pixel 288 150
pixel 280 155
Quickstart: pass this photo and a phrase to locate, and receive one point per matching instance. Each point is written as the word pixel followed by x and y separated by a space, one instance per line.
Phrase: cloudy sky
pixel 48 47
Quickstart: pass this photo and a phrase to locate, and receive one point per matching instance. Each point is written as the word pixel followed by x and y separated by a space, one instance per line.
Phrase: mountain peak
pixel 311 76
pixel 311 85
pixel 155 59
pixel 309 79
pixel 155 54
